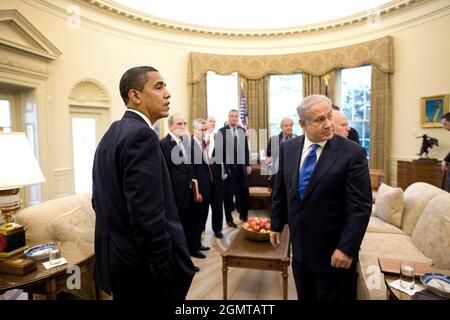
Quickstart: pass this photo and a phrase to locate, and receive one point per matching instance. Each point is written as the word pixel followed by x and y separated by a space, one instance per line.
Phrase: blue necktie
pixel 307 169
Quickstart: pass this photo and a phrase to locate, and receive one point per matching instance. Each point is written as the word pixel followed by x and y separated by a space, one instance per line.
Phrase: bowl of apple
pixel 257 229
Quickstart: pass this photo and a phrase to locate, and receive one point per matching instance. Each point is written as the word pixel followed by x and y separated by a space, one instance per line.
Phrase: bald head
pixel 340 124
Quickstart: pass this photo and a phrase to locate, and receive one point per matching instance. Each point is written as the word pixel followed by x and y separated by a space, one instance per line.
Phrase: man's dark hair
pixel 134 78
pixel 446 116
pixel 335 107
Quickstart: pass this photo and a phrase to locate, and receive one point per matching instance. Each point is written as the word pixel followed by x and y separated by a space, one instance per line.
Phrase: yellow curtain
pixel 324 84
pixel 198 99
pixel 380 121
pixel 257 96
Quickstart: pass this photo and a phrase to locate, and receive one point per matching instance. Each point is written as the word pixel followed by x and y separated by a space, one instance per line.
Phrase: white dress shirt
pixel 307 147
pixel 143 116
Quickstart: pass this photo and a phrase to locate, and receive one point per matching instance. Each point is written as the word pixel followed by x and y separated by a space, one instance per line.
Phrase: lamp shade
pixel 18 165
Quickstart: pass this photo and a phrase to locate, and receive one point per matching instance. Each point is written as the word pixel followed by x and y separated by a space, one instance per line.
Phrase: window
pixel 5 116
pixel 88 126
pixel 285 93
pixel 355 101
pixel 222 96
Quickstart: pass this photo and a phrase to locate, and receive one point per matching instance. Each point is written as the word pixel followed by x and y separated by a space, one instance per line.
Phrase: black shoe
pixel 197 269
pixel 231 224
pixel 204 248
pixel 198 254
pixel 218 234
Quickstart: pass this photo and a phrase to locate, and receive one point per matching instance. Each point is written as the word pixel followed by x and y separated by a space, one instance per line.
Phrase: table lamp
pixel 18 168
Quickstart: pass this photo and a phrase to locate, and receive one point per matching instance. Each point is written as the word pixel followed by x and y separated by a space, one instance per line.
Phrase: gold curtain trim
pixel 379 52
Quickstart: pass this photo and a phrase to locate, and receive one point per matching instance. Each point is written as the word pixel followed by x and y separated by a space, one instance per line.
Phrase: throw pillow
pixel 389 204
pixel 76 225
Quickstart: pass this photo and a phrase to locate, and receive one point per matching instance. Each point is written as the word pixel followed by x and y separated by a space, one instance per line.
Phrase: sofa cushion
pixel 378 225
pixel 391 245
pixel 389 204
pixel 371 284
pixel 76 225
pixel 416 197
pixel 432 232
pixel 38 219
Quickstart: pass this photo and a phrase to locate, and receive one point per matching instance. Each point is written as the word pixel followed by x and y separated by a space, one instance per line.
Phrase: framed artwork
pixel 432 109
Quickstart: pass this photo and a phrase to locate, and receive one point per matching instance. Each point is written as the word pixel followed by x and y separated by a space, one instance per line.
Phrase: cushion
pixel 389 204
pixel 432 232
pixel 378 225
pixel 76 225
pixel 416 197
pixel 393 246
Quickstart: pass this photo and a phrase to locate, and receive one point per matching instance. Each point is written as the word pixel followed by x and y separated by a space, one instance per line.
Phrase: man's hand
pixel 249 170
pixel 444 167
pixel 268 160
pixel 199 198
pixel 275 238
pixel 225 176
pixel 340 260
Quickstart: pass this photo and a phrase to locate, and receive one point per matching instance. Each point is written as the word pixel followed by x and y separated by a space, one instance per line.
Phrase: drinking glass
pixel 55 253
pixel 407 273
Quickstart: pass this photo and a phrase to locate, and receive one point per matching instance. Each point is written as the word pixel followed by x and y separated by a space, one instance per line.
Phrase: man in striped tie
pixel 323 181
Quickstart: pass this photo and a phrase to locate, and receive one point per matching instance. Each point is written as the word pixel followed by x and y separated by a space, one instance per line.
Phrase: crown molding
pixel 39 45
pixel 123 12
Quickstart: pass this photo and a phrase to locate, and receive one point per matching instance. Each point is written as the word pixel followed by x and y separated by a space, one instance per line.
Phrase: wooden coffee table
pixel 244 253
pixel 52 281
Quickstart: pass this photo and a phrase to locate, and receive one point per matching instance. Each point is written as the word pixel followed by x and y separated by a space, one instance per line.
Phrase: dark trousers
pixel 196 225
pixel 336 285
pixel 216 203
pixel 236 184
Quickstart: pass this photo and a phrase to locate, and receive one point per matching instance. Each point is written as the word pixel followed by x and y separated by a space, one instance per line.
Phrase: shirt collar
pixel 307 144
pixel 200 142
pixel 177 140
pixel 143 116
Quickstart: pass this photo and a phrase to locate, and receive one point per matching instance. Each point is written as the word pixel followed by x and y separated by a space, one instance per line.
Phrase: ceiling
pixel 253 14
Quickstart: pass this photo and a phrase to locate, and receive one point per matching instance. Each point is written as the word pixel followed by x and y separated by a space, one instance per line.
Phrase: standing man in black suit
pixel 202 171
pixel 174 147
pixel 216 201
pixel 324 183
pixel 445 120
pixel 140 246
pixel 233 142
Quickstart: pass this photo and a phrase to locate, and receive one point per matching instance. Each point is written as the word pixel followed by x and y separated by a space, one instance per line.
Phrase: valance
pixel 379 52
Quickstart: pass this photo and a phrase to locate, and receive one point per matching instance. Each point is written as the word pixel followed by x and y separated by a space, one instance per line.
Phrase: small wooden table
pixel 244 253
pixel 50 282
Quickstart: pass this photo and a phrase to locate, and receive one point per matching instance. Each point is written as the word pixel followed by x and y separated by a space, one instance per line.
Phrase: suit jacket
pixel 200 170
pixel 179 173
pixel 336 207
pixel 231 153
pixel 138 234
pixel 274 150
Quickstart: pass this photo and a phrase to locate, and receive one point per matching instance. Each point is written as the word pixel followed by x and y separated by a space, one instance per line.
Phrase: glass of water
pixel 407 273
pixel 55 253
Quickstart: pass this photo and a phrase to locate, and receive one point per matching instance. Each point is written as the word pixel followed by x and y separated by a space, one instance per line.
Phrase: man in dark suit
pixel 273 147
pixel 445 120
pixel 202 171
pixel 216 201
pixel 328 204
pixel 140 246
pixel 233 142
pixel 175 146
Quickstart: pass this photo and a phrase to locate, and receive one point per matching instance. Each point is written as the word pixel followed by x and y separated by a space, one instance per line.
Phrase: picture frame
pixel 432 108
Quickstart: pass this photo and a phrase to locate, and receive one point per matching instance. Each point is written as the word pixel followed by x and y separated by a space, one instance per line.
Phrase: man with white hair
pixel 323 182
pixel 340 124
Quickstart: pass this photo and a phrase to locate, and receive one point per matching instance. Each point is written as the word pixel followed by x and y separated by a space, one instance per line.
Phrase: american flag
pixel 243 116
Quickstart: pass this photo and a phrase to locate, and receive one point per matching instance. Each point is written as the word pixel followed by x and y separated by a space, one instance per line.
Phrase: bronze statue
pixel 427 143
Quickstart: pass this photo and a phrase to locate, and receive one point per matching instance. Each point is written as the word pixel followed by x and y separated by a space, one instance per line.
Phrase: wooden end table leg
pixel 225 277
pixel 285 275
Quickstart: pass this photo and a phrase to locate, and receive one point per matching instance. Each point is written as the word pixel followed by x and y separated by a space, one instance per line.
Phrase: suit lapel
pixel 294 154
pixel 327 158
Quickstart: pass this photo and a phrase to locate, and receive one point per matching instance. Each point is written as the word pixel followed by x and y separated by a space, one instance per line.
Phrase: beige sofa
pixel 410 225
pixel 69 218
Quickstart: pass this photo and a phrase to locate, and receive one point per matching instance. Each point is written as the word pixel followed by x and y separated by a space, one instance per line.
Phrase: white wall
pixel 105 46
